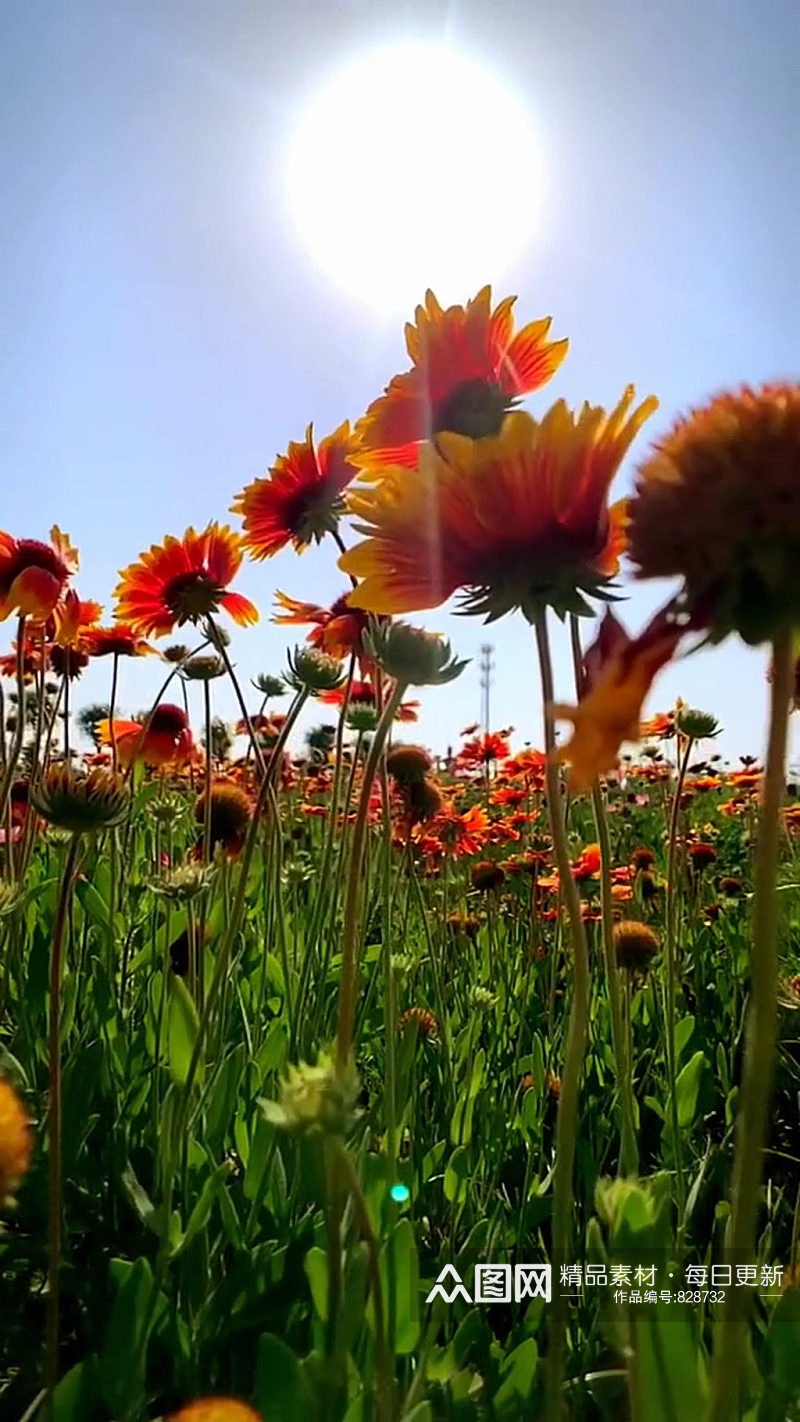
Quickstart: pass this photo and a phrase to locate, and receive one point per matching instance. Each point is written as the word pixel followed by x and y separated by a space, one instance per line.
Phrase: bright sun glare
pixel 413 166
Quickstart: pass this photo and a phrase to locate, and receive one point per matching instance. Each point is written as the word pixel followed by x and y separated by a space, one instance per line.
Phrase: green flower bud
pixel 412 656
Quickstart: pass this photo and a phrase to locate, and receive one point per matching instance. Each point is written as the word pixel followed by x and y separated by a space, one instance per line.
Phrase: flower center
pixel 475 408
pixel 192 595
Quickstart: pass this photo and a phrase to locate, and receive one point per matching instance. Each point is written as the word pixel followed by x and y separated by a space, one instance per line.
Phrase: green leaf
pixel 687 1089
pixel 456 1176
pixel 76 1393
pixel 316 1267
pixel 201 1213
pixel 282 1393
pixel 782 1343
pixel 683 1031
pixel 182 1029
pixel 122 1361
pixel 517 1376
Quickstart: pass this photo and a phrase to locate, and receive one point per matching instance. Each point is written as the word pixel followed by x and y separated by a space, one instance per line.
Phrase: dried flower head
pixel 408 764
pixel 230 811
pixel 718 504
pixel 79 802
pixel 635 945
pixel 486 875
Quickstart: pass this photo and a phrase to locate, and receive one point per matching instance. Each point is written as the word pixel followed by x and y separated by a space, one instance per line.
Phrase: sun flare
pixel 413 166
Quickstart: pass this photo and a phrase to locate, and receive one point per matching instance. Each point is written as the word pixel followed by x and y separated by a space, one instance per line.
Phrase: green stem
pixel 567 1120
pixel 671 975
pixel 759 1059
pixel 352 917
pixel 19 730
pixel 54 1127
pixel 629 1151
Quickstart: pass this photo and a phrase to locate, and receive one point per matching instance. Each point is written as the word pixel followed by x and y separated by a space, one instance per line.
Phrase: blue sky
pixel 165 335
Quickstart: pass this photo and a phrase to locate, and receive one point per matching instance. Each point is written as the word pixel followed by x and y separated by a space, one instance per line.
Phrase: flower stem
pixel 671 974
pixel 628 1151
pixel 753 1116
pixel 19 730
pixel 352 917
pixel 54 1127
pixel 567 1120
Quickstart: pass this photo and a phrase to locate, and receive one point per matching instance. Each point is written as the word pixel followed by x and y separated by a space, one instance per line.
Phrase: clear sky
pixel 165 335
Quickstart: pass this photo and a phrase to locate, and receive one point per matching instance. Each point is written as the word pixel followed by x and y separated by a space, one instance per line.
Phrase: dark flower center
pixel 475 408
pixel 192 595
pixel 168 720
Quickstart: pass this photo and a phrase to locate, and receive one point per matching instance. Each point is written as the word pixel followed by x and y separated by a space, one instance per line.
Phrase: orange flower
pixel 118 640
pixel 517 520
pixel 166 741
pixel 16 1141
pixel 588 865
pixel 215 1409
pixel 460 834
pixel 620 671
pixel 483 750
pixel 299 501
pixel 363 692
pixel 337 630
pixel 183 580
pixel 660 727
pixel 33 575
pixel 72 620
pixel 468 368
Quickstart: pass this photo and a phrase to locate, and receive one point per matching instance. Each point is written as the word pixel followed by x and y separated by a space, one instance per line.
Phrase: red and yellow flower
pixel 468 369
pixel 33 575
pixel 300 499
pixel 617 683
pixel 118 640
pixel 337 630
pixel 518 520
pixel 183 580
pixel 165 740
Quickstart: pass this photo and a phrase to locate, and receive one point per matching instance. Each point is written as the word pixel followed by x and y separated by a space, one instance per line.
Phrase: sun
pixel 413 166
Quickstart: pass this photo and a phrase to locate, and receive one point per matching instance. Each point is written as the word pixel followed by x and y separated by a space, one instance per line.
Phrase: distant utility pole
pixel 487 676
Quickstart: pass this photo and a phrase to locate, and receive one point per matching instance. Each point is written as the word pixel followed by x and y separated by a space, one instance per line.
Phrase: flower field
pixel 314 1051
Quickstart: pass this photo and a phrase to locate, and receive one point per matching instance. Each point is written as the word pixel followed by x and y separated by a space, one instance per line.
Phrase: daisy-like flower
pixel 468 369
pixel 619 673
pixel 300 499
pixel 33 575
pixel 717 503
pixel 166 740
pixel 337 630
pixel 183 580
pixel 518 520
pixel 118 640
